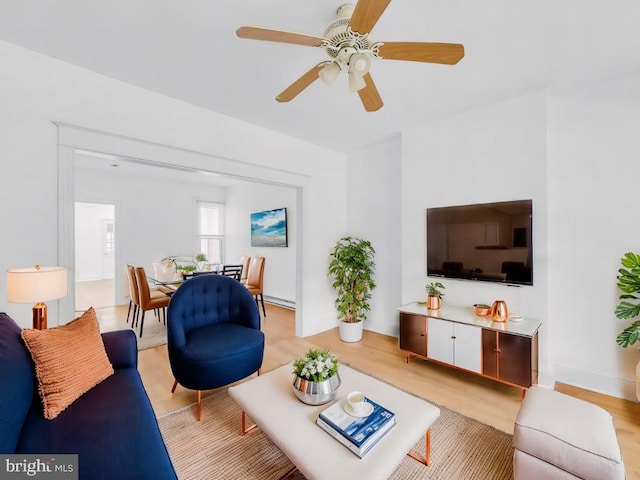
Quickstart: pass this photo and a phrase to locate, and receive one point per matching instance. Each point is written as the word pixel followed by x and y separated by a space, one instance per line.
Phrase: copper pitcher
pixel 499 311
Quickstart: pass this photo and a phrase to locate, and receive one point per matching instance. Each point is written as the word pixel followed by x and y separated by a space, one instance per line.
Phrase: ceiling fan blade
pixel 446 53
pixel 370 96
pixel 259 33
pixel 366 15
pixel 300 84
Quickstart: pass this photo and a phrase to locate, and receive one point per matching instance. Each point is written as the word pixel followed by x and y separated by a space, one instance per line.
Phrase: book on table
pixel 358 434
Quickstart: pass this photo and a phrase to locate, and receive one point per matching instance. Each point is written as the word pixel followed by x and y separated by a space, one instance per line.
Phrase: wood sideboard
pixel 503 351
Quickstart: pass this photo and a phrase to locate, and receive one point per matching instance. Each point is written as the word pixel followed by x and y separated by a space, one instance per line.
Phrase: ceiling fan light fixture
pixel 330 73
pixel 359 63
pixel 356 82
pixel 350 48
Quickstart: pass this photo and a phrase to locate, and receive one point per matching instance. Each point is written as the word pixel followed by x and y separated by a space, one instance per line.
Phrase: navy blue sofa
pixel 112 427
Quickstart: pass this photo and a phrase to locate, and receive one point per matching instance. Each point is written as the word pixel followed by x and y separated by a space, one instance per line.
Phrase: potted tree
pixel 434 294
pixel 629 306
pixel 352 266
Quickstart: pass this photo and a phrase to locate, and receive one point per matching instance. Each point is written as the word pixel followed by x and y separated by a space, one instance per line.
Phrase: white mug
pixel 356 401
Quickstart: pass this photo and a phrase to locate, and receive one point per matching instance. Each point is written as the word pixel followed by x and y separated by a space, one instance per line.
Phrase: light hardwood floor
pixel 487 401
pixel 95 293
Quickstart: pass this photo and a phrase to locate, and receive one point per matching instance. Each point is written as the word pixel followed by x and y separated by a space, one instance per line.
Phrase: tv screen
pixel 486 242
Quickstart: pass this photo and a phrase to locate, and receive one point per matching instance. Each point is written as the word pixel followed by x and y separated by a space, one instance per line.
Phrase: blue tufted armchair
pixel 214 336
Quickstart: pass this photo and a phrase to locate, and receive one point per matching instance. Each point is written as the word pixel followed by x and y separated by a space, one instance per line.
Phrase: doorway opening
pixel 76 143
pixel 95 244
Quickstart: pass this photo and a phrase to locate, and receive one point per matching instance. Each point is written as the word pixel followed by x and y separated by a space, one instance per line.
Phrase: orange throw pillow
pixel 70 360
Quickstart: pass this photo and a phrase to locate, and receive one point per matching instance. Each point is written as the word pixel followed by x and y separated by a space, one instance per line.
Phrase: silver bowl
pixel 316 393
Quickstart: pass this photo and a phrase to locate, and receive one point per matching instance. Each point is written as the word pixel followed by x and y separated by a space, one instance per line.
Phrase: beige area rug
pixel 461 448
pixel 154 332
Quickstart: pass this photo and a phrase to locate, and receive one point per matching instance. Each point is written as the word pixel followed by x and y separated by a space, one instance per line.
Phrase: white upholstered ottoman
pixel 561 437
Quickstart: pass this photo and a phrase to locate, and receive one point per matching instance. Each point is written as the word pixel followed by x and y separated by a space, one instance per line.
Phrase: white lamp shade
pixel 356 82
pixel 360 63
pixel 330 73
pixel 36 284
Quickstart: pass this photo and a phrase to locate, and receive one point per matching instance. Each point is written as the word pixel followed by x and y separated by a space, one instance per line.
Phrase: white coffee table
pixel 270 401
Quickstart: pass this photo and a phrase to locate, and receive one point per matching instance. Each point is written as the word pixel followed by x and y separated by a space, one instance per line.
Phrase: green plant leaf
pixel 352 267
pixel 629 283
pixel 626 310
pixel 434 289
pixel 629 335
pixel 630 260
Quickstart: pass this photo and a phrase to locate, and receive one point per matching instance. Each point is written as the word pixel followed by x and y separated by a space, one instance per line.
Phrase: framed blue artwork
pixel 269 228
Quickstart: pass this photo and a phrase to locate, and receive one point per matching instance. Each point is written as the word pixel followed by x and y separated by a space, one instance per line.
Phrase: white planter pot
pixel 351 332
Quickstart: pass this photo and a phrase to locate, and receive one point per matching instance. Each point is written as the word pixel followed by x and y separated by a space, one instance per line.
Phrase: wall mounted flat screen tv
pixel 486 242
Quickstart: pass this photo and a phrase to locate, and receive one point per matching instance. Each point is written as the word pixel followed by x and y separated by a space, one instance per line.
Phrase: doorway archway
pixel 73 140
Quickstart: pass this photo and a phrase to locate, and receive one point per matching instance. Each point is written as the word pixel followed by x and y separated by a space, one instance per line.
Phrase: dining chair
pixel 134 297
pixel 158 301
pixel 244 261
pixel 164 271
pixel 133 293
pixel 233 271
pixel 255 279
pixel 213 334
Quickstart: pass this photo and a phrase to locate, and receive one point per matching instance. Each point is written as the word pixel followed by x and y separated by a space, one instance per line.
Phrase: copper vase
pixel 499 311
pixel 433 302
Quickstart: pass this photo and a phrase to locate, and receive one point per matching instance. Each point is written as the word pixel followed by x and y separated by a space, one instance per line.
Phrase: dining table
pixel 169 286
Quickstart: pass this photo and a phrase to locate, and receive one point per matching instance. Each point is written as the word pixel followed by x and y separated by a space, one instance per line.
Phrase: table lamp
pixel 37 284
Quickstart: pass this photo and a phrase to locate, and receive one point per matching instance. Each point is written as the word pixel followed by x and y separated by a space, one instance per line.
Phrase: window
pixel 109 237
pixel 210 234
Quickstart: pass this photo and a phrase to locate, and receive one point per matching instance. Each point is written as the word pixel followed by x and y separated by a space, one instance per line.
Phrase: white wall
pixel 576 154
pixel 594 166
pixel 373 206
pixel 36 90
pixel 491 154
pixel 280 263
pixel 89 236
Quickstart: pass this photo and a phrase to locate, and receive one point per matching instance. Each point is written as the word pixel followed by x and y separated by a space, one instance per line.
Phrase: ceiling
pixel 188 50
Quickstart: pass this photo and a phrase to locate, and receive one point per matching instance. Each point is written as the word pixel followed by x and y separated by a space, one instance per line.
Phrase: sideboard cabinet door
pixel 490 353
pixel 440 340
pixel 515 359
pixel 509 358
pixel 413 333
pixel 468 347
pixel 455 344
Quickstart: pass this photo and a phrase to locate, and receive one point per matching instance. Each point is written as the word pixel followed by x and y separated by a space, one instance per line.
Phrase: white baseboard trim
pixel 281 302
pixel 597 382
pixel 389 330
pixel 93 279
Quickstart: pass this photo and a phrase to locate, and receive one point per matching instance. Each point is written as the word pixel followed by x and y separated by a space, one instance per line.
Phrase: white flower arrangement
pixel 316 365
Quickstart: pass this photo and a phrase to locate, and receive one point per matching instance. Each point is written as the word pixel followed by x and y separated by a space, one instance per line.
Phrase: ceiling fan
pixel 346 40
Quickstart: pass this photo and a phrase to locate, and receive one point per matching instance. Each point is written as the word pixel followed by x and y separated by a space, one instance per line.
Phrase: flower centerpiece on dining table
pixel 316 377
